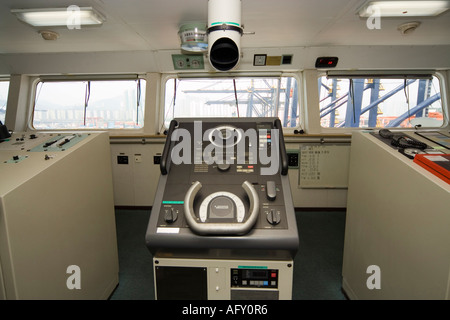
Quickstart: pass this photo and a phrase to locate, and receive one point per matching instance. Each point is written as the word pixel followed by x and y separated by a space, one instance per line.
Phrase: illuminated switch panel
pixel 254 278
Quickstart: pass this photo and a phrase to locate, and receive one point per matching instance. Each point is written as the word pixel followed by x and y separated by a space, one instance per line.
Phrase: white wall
pixel 350 58
pixel 135 183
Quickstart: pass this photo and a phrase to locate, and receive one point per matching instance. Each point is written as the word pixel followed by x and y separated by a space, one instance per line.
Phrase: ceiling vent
pixel 409 27
pixel 49 35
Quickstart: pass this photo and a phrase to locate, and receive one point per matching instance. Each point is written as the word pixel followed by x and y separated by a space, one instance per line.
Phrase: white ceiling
pixel 152 25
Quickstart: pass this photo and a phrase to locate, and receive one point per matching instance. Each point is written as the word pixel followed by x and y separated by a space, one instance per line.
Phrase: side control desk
pixel 398 219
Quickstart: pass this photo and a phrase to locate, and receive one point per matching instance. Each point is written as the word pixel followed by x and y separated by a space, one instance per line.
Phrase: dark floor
pixel 317 265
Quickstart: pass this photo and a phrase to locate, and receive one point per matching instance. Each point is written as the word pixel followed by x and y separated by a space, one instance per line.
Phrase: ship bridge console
pixel 223 210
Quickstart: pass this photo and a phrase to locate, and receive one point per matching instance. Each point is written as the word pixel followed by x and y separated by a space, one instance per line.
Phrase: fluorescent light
pixel 60 17
pixel 404 8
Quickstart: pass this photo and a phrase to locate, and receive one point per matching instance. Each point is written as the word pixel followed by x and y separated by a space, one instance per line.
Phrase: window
pixel 89 104
pixel 232 97
pixel 380 102
pixel 4 88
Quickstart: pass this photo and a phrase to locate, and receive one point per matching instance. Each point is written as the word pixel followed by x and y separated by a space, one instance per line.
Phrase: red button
pixel 273 275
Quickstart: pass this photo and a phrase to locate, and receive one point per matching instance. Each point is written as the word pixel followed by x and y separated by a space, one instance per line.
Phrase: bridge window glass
pixel 228 97
pixel 4 88
pixel 380 102
pixel 96 104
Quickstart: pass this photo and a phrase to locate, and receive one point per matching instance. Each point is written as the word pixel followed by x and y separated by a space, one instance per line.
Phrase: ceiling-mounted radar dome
pixel 193 37
pixel 224 33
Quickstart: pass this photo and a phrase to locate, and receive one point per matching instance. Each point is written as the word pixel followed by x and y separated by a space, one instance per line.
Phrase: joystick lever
pixel 271 190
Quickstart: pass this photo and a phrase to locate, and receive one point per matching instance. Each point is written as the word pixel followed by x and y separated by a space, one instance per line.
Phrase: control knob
pixel 223 167
pixel 170 215
pixel 273 217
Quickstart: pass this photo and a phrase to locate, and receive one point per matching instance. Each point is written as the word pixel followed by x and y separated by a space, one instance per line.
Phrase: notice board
pixel 324 166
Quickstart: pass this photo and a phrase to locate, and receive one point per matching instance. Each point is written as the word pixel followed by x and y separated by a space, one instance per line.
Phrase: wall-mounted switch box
pixel 259 59
pixel 122 159
pixel 187 62
pixel 292 159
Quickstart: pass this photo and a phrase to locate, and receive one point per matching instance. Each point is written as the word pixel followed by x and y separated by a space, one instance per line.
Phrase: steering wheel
pixel 225 200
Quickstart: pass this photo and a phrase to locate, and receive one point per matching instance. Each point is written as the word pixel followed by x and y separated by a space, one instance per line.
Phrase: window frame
pixel 6 79
pixel 387 74
pixel 93 77
pixel 298 77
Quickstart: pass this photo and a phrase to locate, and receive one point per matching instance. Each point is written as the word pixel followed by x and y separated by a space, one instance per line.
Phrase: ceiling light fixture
pixel 403 8
pixel 60 17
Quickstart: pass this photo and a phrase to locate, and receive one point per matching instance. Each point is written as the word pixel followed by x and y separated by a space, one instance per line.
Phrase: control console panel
pixel 223 222
pixel 254 278
pixel 224 183
pixel 223 179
